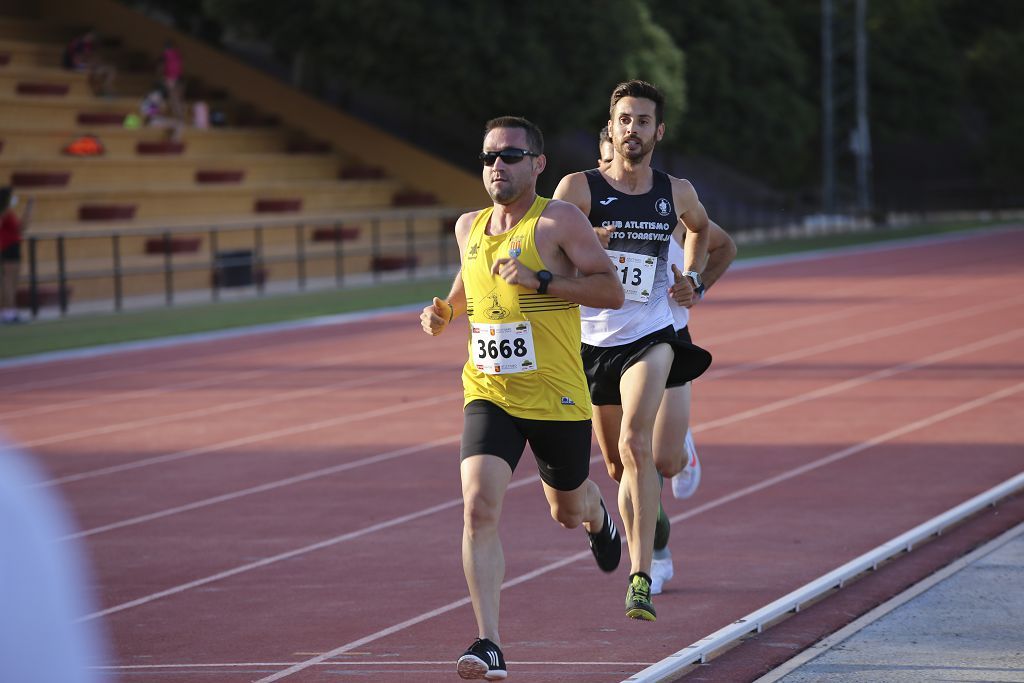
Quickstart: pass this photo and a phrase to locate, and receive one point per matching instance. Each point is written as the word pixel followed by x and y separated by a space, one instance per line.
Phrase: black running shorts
pixel 562 448
pixel 604 365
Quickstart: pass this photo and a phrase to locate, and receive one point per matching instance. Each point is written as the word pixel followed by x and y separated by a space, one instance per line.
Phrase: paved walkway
pixel 964 624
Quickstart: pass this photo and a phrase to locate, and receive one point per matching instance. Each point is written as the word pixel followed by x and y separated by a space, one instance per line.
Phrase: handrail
pixel 394 243
pixel 250 223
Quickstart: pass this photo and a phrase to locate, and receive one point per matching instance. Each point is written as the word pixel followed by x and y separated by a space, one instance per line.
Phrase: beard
pixel 505 193
pixel 646 147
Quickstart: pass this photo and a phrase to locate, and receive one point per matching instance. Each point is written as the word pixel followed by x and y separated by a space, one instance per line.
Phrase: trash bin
pixel 233 268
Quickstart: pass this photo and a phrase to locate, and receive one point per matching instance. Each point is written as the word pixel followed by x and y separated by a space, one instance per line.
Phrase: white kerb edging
pixel 672 665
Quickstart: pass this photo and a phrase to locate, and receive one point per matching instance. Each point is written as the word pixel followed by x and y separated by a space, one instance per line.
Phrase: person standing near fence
pixel 528 262
pixel 632 355
pixel 12 228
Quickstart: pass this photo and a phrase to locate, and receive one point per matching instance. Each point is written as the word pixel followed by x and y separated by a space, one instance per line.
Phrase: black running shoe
pixel 605 544
pixel 638 598
pixel 662 529
pixel 483 660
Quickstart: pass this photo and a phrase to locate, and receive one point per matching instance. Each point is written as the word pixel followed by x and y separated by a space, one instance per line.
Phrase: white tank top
pixel 641 224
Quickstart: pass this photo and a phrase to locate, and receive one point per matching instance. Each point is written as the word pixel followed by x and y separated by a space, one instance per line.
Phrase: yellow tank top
pixel 557 389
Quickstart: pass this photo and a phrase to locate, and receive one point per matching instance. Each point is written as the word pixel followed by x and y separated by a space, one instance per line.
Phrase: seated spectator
pixel 154 112
pixel 80 55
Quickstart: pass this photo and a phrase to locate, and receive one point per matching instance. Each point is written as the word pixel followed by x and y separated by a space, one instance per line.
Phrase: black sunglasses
pixel 510 155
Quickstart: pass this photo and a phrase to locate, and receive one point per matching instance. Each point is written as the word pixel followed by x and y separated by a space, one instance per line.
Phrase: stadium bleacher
pixel 298 162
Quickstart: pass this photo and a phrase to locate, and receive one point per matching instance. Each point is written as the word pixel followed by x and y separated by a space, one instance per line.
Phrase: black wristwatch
pixel 545 277
pixel 698 284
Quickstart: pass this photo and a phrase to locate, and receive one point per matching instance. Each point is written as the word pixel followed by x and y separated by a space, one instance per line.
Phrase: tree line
pixel 743 77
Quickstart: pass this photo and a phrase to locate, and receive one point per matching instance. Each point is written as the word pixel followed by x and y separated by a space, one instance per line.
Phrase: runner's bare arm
pixel 582 272
pixel 436 317
pixel 574 189
pixel 695 220
pixel 721 252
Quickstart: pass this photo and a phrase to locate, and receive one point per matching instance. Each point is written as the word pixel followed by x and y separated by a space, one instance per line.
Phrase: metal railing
pixel 116 267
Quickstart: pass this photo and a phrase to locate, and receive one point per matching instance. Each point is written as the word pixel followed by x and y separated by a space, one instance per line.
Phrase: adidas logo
pixel 606 202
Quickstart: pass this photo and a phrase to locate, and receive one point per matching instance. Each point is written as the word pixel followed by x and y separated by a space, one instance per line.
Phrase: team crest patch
pixel 472 251
pixel 663 206
pixel 515 247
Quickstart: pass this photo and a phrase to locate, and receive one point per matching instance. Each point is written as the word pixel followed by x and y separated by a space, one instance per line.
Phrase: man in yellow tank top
pixel 527 264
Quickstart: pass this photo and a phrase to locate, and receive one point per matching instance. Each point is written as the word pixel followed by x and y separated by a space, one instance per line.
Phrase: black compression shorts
pixel 562 448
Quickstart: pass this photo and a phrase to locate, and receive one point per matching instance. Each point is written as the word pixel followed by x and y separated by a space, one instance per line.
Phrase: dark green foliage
pixel 747 81
pixel 941 71
pixel 996 75
pixel 553 62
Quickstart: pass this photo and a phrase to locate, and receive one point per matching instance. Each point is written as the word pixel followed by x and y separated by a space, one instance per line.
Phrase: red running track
pixel 286 505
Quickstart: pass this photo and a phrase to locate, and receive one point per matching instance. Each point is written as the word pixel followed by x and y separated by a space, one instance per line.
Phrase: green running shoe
pixel 638 598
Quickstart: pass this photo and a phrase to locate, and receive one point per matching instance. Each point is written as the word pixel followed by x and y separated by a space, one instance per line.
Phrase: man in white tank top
pixel 676 402
pixel 631 355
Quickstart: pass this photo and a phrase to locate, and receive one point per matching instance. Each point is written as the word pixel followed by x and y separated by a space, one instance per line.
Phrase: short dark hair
pixel 637 88
pixel 534 138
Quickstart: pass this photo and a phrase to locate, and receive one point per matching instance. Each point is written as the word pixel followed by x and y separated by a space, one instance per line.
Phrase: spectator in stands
pixel 170 68
pixel 11 230
pixel 80 55
pixel 154 112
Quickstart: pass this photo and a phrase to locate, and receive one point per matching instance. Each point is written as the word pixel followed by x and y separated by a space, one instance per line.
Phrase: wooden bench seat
pixel 173 202
pixel 104 172
pixel 39 143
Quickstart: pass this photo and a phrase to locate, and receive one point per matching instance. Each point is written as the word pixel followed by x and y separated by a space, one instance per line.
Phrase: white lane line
pixel 270 486
pixel 319 545
pixel 828 346
pixel 266 398
pixel 859 381
pixel 852 450
pixel 874 335
pixel 256 438
pixel 834 457
pixel 892 434
pixel 144 366
pixel 347 662
pixel 339 362
pixel 345 359
pixel 713 424
pixel 426 616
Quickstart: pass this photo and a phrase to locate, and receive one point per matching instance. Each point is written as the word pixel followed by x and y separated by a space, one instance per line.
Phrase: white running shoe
pixel 661 571
pixel 686 482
